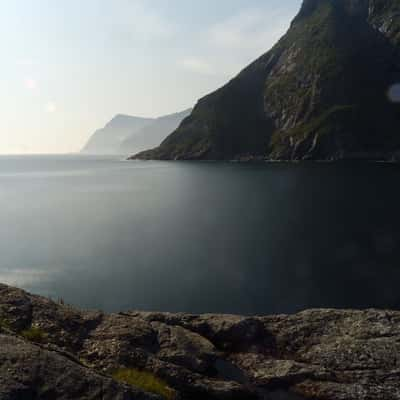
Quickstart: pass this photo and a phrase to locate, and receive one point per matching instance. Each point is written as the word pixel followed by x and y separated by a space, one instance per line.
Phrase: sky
pixel 68 66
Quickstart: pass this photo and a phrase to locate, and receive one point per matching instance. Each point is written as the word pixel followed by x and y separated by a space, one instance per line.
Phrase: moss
pixel 145 381
pixel 34 334
pixel 4 323
pixel 85 363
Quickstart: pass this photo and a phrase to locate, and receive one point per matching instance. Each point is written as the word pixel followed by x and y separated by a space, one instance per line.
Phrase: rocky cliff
pixel 49 350
pixel 325 91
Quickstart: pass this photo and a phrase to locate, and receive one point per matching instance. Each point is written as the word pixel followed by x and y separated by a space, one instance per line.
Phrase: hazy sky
pixel 68 66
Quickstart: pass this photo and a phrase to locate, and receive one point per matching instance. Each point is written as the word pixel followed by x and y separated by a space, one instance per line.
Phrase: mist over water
pixel 201 237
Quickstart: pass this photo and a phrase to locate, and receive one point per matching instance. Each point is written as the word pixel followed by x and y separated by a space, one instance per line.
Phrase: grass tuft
pixel 4 324
pixel 34 334
pixel 145 381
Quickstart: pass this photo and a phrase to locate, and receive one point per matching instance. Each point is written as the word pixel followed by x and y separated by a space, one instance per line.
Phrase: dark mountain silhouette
pixel 320 93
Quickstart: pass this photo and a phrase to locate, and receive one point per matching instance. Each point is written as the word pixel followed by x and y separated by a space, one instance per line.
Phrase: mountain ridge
pixel 107 139
pixel 319 94
pixel 126 134
pixel 153 133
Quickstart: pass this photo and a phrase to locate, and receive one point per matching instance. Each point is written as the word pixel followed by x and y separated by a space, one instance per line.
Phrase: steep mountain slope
pixel 153 133
pixel 108 139
pixel 320 93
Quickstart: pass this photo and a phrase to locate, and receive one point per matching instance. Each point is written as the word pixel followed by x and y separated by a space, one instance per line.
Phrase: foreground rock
pixel 317 354
pixel 29 372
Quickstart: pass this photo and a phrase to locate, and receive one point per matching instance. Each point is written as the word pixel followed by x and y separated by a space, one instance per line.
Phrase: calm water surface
pixel 201 237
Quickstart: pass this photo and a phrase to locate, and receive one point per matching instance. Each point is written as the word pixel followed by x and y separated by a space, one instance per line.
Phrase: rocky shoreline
pixel 316 354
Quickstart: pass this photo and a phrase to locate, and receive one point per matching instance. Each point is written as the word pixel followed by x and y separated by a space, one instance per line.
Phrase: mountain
pixel 320 93
pixel 126 135
pixel 107 140
pixel 152 134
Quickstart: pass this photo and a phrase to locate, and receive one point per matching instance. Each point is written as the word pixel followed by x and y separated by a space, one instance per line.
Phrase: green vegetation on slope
pixel 4 324
pixel 34 334
pixel 313 130
pixel 145 381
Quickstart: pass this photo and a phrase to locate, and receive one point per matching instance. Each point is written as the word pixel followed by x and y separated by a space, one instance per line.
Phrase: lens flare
pixel 30 84
pixel 50 107
pixel 394 93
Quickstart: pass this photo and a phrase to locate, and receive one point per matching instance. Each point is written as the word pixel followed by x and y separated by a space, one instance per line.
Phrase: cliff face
pixel 317 354
pixel 320 93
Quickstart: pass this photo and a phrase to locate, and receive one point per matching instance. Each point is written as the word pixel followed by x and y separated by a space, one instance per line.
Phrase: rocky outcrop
pixel 321 93
pixel 29 372
pixel 316 354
